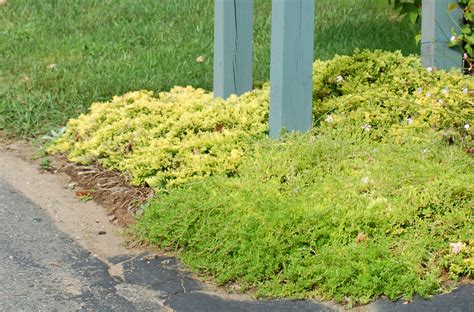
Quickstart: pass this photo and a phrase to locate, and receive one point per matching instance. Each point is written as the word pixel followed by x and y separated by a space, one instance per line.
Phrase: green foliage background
pixel 463 34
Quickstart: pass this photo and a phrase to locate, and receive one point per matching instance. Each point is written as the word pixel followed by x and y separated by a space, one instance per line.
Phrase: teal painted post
pixel 291 66
pixel 436 25
pixel 232 47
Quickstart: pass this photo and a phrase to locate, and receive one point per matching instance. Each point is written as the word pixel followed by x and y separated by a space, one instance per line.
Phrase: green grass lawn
pixel 57 57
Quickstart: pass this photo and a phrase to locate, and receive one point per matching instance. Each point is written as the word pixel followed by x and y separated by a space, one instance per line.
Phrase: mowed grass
pixel 57 57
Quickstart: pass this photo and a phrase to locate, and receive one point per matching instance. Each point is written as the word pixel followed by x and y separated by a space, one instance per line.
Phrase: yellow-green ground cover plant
pixel 177 137
pixel 375 200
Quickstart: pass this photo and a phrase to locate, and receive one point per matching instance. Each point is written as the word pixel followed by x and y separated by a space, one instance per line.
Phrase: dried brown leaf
pixel 361 237
pixel 219 127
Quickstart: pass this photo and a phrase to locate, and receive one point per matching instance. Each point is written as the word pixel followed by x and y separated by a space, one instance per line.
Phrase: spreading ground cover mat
pixel 375 200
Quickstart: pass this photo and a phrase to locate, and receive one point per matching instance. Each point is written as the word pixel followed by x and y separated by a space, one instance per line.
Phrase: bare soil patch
pixel 109 189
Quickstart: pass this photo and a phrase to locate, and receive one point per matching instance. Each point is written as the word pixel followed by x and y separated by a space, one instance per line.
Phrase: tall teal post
pixel 436 25
pixel 291 66
pixel 232 47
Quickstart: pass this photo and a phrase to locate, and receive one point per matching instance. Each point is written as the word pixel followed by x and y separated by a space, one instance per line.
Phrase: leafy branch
pixel 465 40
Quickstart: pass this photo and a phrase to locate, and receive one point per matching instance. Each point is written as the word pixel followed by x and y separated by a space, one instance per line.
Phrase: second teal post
pixel 291 66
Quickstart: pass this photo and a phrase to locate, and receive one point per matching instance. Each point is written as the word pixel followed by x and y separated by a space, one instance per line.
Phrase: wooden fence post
pixel 232 47
pixel 291 66
pixel 436 25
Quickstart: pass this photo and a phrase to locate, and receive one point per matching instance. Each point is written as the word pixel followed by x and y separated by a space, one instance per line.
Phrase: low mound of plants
pixel 375 200
pixel 386 94
pixel 183 135
pixel 327 217
pixel 177 137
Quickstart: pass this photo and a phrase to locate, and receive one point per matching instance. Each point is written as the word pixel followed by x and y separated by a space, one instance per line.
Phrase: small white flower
pixel 466 127
pixel 441 101
pixel 453 38
pixel 424 151
pixel 465 90
pixel 339 79
pixel 456 247
pixel 428 94
pixel 445 91
pixel 366 127
pixel 409 120
pixel 419 90
pixel 329 118
pixel 429 69
pixel 365 180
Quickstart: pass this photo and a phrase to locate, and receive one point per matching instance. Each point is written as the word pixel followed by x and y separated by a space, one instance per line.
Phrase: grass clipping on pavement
pixel 375 200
